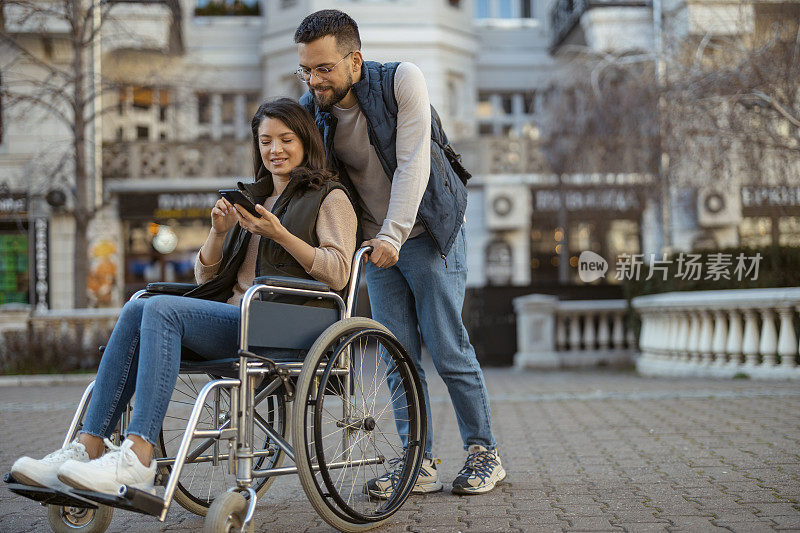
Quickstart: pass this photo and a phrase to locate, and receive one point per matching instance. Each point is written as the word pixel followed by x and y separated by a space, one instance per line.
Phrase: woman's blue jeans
pixel 420 299
pixel 144 354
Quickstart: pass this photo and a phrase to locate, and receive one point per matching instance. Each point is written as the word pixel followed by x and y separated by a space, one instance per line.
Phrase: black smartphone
pixel 235 196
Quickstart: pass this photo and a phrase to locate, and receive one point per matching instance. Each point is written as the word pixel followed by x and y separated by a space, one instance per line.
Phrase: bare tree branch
pixel 15 99
pixel 777 106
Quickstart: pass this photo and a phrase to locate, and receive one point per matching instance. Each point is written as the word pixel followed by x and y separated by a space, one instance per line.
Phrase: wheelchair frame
pixel 238 431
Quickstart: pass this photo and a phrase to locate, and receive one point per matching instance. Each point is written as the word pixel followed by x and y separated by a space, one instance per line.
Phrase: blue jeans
pixel 144 354
pixel 419 299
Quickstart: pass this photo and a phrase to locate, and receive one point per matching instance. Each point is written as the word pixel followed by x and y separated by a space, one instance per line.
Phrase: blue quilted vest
pixel 441 210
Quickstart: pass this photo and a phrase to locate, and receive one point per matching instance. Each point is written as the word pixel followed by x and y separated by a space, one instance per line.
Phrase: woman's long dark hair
pixel 312 172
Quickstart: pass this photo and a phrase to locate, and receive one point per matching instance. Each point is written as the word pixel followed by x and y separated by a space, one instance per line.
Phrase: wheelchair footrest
pixel 48 496
pixel 128 498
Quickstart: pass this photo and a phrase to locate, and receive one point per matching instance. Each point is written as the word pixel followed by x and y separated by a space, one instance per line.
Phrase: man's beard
pixel 338 95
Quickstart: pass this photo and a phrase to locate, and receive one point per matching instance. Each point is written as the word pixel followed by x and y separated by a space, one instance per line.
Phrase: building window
pixel 142 133
pixel 142 98
pixel 203 108
pixel 505 9
pixel 228 108
pixel 226 8
pixel 755 232
pixel 226 115
pixel 455 85
pixel 505 112
pixel 138 98
pixel 789 231
pixel 253 103
pixel 142 107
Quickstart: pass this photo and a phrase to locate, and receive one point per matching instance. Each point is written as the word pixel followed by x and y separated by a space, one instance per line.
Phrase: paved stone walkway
pixel 588 451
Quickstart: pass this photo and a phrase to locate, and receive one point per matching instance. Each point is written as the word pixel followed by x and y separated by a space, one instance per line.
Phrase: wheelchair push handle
pixel 362 252
pixel 359 260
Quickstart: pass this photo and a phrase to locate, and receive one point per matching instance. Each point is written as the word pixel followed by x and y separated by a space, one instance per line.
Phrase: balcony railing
pixel 142 160
pixel 749 332
pixel 501 155
pixel 207 158
pixel 566 14
pixel 575 333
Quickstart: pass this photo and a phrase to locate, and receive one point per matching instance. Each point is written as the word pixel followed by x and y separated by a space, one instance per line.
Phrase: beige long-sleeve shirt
pixel 390 207
pixel 336 231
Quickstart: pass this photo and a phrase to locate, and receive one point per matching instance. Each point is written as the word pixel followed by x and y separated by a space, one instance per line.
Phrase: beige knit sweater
pixel 336 231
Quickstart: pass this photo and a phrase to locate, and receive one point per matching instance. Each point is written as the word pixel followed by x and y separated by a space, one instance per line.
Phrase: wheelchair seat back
pixel 281 325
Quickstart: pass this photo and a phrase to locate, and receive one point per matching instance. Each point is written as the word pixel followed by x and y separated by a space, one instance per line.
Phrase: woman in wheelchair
pixel 306 228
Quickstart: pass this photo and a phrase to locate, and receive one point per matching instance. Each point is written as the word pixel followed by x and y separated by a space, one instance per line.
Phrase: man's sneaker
pixel 428 480
pixel 481 472
pixel 44 472
pixel 119 466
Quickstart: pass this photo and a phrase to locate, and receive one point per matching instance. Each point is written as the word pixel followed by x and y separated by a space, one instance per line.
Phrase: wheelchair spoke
pixel 363 442
pixel 201 480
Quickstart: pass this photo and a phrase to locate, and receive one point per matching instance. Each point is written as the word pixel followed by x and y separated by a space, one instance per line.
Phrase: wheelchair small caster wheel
pixel 65 519
pixel 226 514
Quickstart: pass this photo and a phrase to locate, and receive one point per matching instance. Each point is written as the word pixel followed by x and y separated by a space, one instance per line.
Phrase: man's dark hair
pixel 330 22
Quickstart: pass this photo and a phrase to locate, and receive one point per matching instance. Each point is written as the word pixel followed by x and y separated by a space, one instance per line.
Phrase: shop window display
pixel 755 232
pixel 13 264
pixel 161 252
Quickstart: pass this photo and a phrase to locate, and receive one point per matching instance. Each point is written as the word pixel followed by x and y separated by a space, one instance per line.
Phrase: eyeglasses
pixel 304 73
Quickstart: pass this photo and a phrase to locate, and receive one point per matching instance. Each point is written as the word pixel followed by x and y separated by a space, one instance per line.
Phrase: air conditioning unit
pixel 507 207
pixel 718 207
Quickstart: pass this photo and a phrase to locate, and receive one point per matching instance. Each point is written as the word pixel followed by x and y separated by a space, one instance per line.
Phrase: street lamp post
pixel 663 157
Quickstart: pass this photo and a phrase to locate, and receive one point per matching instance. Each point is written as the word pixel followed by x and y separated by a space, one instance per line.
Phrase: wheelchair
pixel 231 424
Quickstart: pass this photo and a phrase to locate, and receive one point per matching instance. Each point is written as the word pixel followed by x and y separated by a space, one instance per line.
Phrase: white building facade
pixel 176 129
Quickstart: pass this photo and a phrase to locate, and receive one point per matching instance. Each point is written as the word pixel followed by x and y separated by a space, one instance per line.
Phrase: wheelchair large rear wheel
pixel 344 423
pixel 201 481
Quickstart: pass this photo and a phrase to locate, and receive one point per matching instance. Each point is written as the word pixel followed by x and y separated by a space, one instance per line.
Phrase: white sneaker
pixel 120 466
pixel 44 472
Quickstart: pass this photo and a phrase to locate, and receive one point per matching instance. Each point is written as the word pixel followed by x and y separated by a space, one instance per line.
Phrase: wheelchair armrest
pixel 163 287
pixel 292 283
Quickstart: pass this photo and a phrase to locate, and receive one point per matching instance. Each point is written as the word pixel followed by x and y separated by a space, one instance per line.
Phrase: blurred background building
pixel 607 125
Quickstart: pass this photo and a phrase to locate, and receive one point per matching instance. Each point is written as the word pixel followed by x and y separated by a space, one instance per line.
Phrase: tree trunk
pixel 83 212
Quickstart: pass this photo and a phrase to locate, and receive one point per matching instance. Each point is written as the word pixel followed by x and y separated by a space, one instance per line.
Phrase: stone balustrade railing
pixel 89 327
pixel 726 333
pixel 573 333
pixel 143 160
pixel 55 340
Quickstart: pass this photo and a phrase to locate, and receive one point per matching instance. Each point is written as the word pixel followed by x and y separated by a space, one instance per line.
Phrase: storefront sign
pixel 615 199
pixel 786 196
pixel 164 206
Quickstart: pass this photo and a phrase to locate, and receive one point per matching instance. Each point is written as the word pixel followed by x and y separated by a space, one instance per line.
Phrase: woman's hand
pixel 267 226
pixel 223 216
